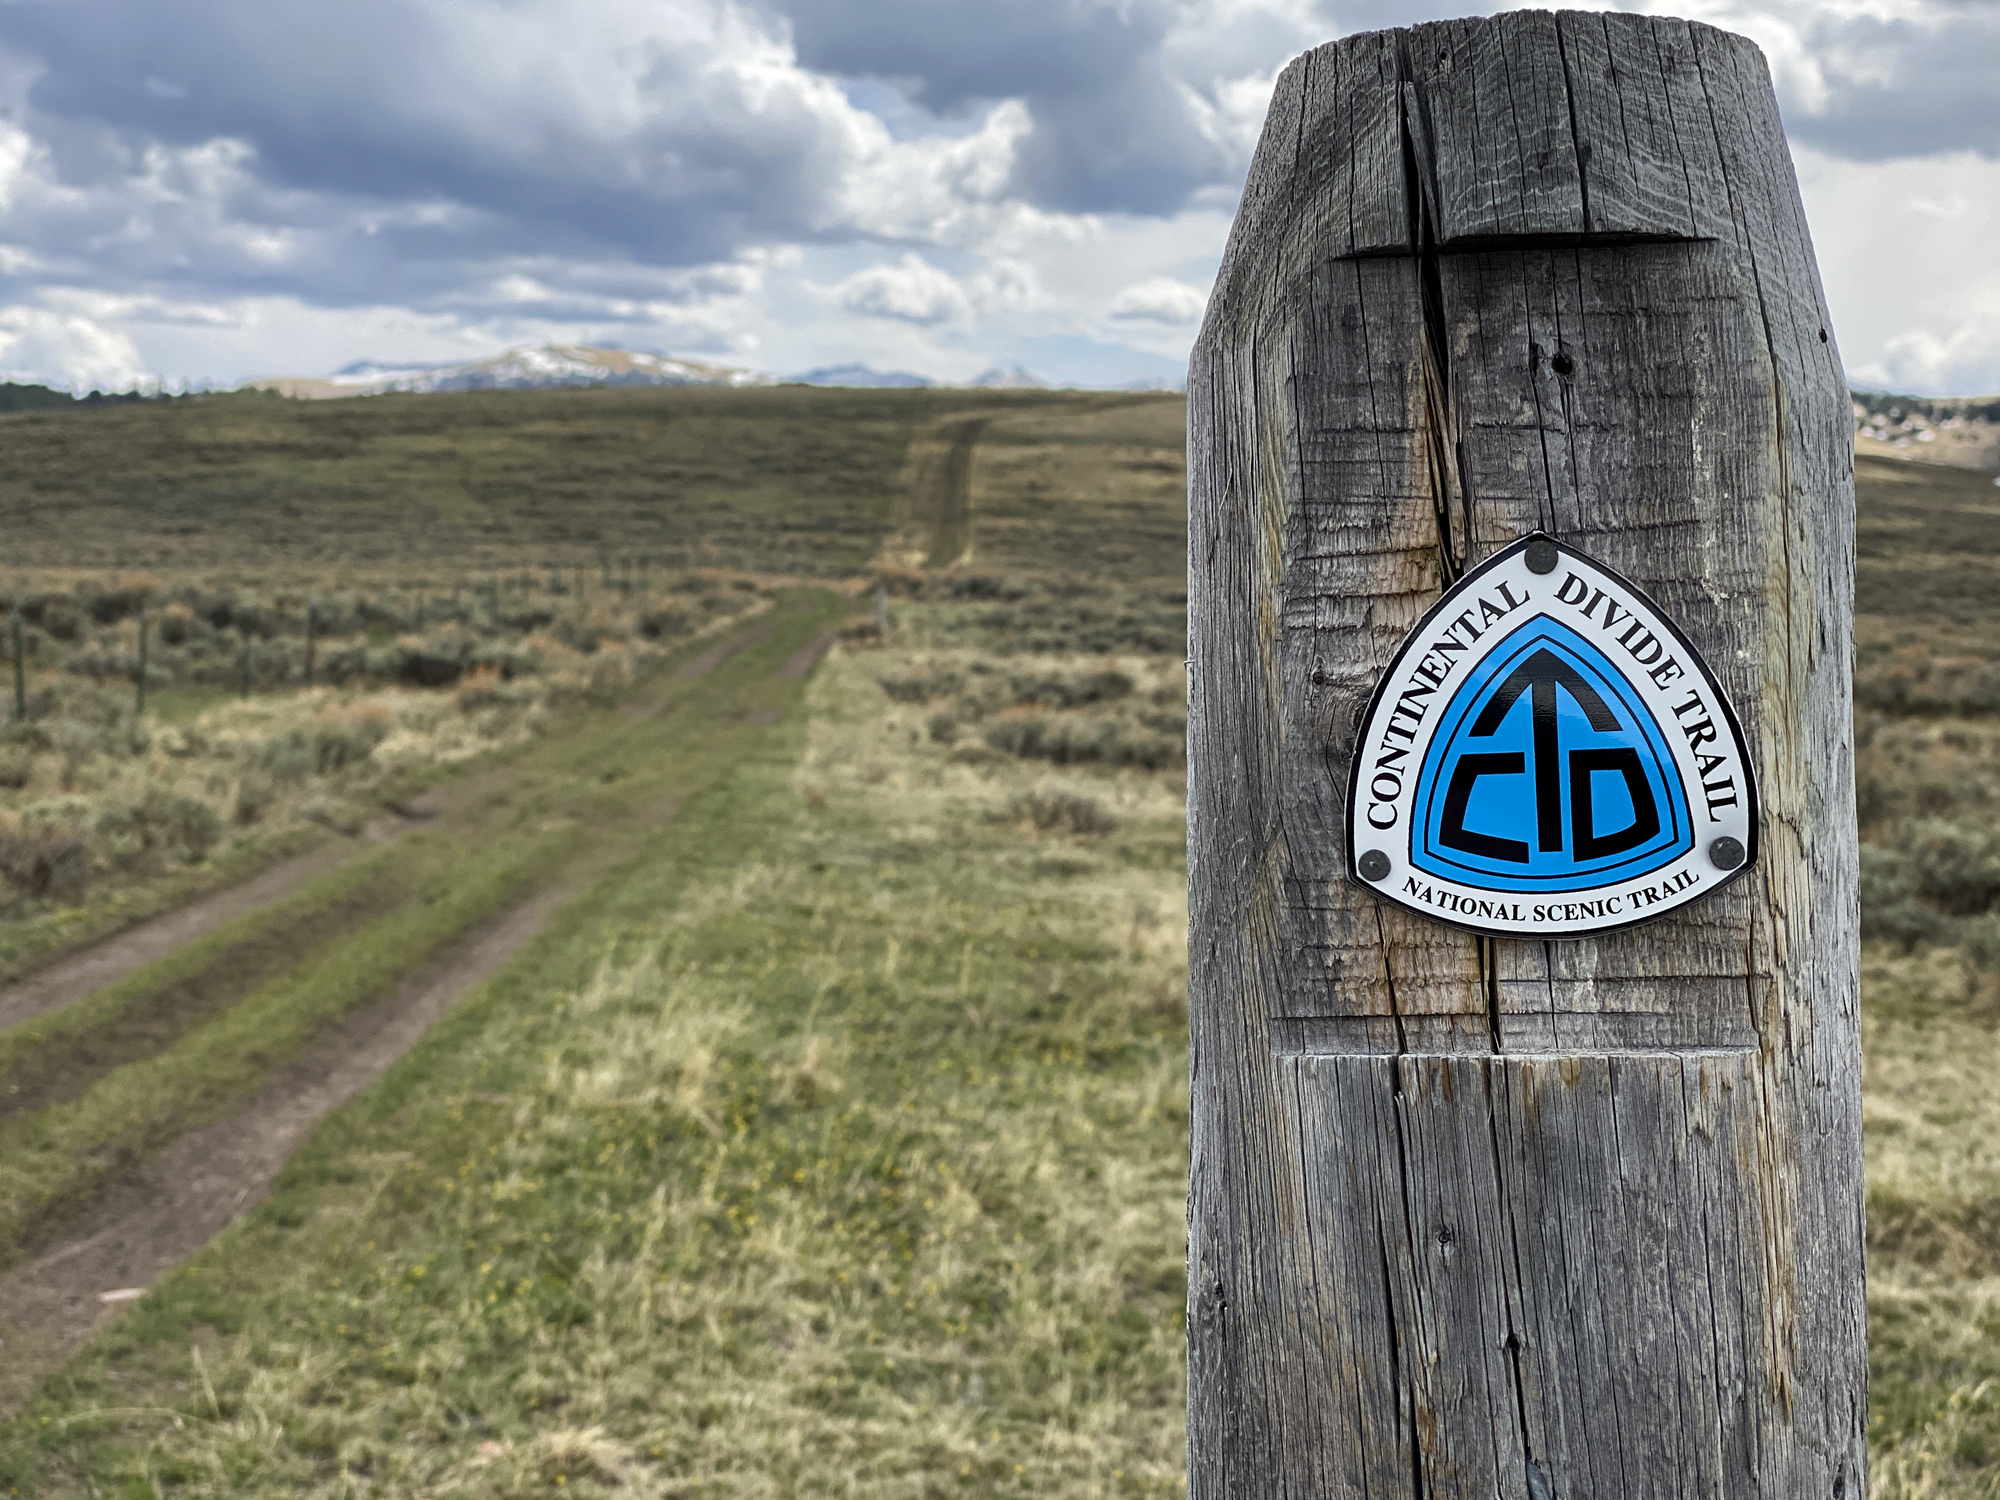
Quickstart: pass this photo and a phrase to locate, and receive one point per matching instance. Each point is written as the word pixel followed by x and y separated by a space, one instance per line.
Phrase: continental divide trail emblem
pixel 1548 756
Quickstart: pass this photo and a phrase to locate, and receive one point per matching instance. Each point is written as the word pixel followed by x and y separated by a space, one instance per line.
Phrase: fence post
pixel 1578 1215
pixel 20 665
pixel 145 633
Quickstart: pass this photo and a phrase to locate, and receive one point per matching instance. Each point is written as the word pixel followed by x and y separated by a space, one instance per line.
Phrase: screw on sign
pixel 1523 980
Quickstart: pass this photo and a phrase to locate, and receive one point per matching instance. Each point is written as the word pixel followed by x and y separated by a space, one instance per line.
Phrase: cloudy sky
pixel 203 190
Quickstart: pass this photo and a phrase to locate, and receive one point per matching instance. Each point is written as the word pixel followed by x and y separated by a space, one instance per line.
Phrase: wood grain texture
pixel 1478 1217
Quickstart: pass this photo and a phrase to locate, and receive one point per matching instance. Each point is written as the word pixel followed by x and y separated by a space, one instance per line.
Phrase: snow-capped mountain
pixel 1014 378
pixel 515 369
pixel 860 375
pixel 540 365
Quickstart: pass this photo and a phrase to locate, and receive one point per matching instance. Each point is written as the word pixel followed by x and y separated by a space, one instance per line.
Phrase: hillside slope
pixel 789 479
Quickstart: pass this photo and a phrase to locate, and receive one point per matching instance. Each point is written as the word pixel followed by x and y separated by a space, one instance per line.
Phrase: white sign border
pixel 1453 900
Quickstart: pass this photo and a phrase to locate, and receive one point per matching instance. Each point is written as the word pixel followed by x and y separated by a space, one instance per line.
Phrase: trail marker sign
pixel 1523 973
pixel 1547 755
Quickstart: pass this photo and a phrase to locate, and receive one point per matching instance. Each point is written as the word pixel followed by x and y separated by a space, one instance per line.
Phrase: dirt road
pixel 184 1197
pixel 180 1198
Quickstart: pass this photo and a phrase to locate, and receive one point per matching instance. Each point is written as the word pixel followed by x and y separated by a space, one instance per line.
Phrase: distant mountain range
pixel 999 378
pixel 1014 378
pixel 532 366
pixel 859 375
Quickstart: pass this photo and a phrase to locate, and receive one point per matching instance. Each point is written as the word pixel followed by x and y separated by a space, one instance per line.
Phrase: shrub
pixel 509 661
pixel 254 795
pixel 43 853
pixel 482 689
pixel 1959 868
pixel 343 664
pixel 1063 690
pixel 331 812
pixel 108 604
pixel 1890 908
pixel 1075 741
pixel 290 758
pixel 179 625
pixel 436 662
pixel 56 615
pixel 943 728
pixel 664 624
pixel 610 672
pixel 1061 812
pixel 341 740
pixel 76 740
pixel 17 766
pixel 160 823
pixel 921 687
pixel 1979 949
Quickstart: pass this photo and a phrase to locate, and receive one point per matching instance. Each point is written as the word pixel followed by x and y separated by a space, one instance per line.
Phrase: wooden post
pixel 20 665
pixel 1489 1217
pixel 145 636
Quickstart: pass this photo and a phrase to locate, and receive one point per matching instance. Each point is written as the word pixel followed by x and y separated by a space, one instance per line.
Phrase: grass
pixel 529 549
pixel 790 480
pixel 1932 1129
pixel 211 782
pixel 1927 738
pixel 58 1055
pixel 188 1038
pixel 835 1146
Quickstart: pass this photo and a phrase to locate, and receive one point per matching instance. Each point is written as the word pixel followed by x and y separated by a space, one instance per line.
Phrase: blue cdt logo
pixel 1547 773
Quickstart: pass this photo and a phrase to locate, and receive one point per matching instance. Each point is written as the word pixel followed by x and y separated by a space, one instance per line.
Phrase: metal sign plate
pixel 1548 756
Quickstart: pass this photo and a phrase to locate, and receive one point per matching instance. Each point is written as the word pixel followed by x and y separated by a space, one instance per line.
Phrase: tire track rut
pixel 176 1201
pixel 182 1198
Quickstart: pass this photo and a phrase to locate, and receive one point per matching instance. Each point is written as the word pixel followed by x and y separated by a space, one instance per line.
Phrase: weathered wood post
pixel 145 640
pixel 1575 1214
pixel 20 664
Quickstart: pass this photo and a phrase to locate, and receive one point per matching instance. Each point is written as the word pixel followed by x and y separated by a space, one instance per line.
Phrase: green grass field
pixel 835 1145
pixel 1927 722
pixel 795 480
pixel 834 1140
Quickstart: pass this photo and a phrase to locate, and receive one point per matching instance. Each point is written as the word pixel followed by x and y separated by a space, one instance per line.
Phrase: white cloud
pixel 1160 299
pixel 1915 295
pixel 911 291
pixel 15 149
pixel 1007 287
pixel 929 184
pixel 1964 357
pixel 46 347
pixel 1872 80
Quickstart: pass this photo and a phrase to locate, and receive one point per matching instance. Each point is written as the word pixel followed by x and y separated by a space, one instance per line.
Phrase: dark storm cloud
pixel 1904 87
pixel 393 102
pixel 413 151
pixel 1114 129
